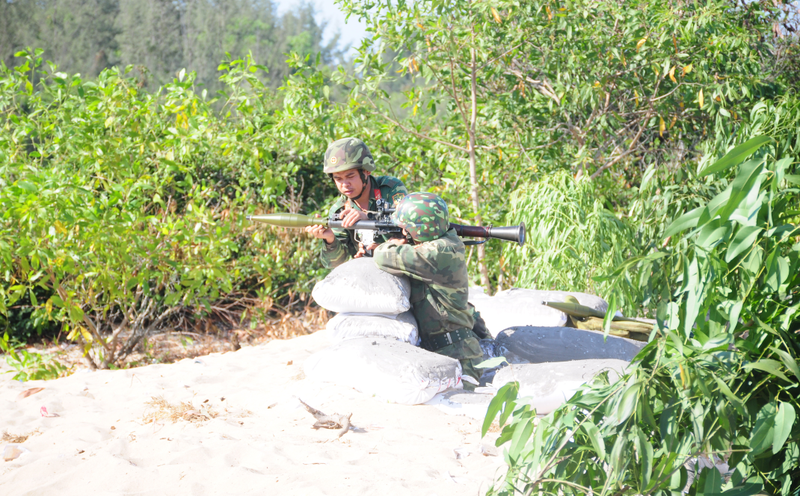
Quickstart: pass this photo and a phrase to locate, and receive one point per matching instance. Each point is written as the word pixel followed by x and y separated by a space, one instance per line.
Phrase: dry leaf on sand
pixel 29 392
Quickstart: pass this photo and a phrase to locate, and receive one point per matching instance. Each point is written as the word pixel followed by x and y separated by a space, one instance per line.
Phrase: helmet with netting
pixel 346 154
pixel 423 215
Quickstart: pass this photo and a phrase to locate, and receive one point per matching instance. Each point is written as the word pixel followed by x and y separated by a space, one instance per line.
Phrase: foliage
pixel 571 239
pixel 127 209
pixel 160 37
pixel 505 91
pixel 720 384
pixel 30 366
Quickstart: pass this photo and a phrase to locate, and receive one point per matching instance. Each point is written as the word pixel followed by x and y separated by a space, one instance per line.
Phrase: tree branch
pixel 630 148
pixel 415 133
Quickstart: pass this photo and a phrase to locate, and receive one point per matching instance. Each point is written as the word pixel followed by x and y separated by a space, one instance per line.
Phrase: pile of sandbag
pixel 551 363
pixel 385 367
pixel 525 307
pixel 368 302
pixel 548 360
pixel 546 386
pixel 375 338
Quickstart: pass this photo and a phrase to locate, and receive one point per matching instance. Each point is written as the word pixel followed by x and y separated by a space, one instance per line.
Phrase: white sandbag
pixel 402 327
pixel 525 307
pixel 360 286
pixel 384 367
pixel 529 344
pixel 549 385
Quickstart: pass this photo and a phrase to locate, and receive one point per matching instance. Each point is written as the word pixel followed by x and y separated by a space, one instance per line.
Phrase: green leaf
pixel 736 402
pixel 792 179
pixel 645 450
pixel 596 439
pixel 30 188
pixel 788 361
pixel 627 404
pixel 75 313
pixel 685 221
pixel 784 420
pixel 763 432
pixel 746 489
pixel 736 155
pixel 770 366
pixel 744 240
pixel 503 399
pixel 665 466
pixel 609 316
pixel 777 271
pixel 522 434
pixel 747 179
pixel 709 482
pixel 619 454
pixel 713 234
pixel 492 362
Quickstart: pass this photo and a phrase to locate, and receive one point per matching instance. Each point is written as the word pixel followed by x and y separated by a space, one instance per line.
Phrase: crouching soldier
pixel 434 259
pixel 349 164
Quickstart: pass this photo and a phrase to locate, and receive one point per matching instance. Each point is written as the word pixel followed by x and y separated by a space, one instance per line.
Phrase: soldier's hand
pixel 350 216
pixel 397 241
pixel 362 250
pixel 321 232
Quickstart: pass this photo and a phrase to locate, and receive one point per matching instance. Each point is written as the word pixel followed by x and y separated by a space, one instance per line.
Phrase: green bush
pixel 719 384
pixel 126 211
pixel 572 239
pixel 30 366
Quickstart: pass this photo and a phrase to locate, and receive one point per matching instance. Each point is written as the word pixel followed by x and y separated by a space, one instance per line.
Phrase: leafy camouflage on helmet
pixel 423 215
pixel 346 154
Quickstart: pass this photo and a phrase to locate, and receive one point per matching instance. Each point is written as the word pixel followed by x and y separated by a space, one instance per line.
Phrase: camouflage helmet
pixel 423 215
pixel 346 154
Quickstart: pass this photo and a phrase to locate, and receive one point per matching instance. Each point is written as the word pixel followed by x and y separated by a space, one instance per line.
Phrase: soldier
pixel 349 164
pixel 434 261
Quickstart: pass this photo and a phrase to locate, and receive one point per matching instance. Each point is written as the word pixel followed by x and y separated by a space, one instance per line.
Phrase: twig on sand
pixel 336 421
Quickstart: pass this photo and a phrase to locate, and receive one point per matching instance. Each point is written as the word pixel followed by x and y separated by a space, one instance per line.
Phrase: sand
pixel 243 431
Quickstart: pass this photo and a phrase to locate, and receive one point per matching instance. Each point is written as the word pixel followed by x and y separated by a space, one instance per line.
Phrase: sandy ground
pixel 237 428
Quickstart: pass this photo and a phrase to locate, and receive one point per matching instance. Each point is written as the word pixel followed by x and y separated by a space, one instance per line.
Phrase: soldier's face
pixel 349 182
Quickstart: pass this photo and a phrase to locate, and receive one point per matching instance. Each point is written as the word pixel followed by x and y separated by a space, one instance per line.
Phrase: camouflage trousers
pixel 469 353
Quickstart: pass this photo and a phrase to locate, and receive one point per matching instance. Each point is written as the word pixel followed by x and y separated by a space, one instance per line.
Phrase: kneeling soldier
pixel 435 262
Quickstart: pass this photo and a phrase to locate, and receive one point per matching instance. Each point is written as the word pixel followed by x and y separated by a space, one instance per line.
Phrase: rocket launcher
pixel 384 225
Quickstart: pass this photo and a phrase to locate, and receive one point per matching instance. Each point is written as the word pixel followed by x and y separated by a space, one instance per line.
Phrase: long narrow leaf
pixel 736 155
pixel 748 179
pixel 685 221
pixel 770 366
pixel 742 241
pixel 784 421
pixel 597 440
pixel 789 361
pixel 504 399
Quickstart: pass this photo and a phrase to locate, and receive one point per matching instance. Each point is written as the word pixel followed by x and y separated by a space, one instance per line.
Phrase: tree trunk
pixel 473 172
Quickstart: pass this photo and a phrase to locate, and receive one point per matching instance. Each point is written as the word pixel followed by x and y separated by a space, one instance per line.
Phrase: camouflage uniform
pixel 345 245
pixel 437 268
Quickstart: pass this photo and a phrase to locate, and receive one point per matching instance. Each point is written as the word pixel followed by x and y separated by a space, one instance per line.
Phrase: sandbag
pixel 384 367
pixel 524 307
pixel 546 386
pixel 360 286
pixel 529 344
pixel 402 327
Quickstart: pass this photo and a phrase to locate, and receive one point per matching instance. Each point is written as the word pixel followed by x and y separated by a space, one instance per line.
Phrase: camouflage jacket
pixel 344 244
pixel 439 288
